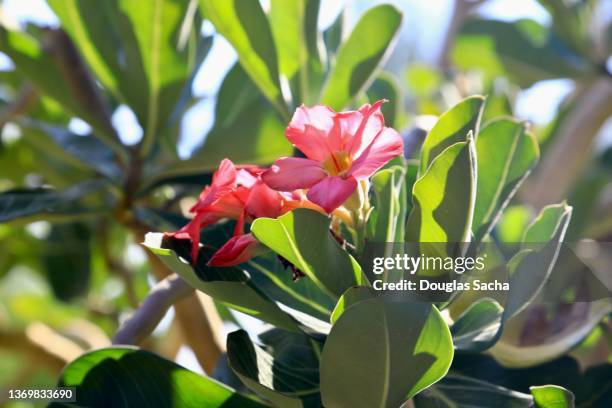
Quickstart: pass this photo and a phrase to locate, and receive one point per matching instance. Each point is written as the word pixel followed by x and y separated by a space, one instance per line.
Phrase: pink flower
pixel 341 148
pixel 241 195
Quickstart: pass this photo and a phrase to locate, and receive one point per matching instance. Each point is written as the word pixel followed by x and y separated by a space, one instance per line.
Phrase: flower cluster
pixel 341 149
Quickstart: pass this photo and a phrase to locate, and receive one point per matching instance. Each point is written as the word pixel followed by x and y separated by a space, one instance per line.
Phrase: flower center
pixel 337 164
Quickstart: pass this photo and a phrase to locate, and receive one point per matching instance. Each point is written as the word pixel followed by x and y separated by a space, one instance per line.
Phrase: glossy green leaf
pixel 294 27
pixel 70 202
pixel 303 238
pixel 349 298
pixel 530 268
pixel 160 49
pixel 552 396
pixel 477 327
pixel 287 375
pixel 230 285
pixel 388 217
pixel 444 197
pixel 524 50
pixel 129 377
pixel 383 351
pixel 460 391
pixel 506 154
pixel 452 127
pixel 244 24
pixel 269 274
pixel 361 54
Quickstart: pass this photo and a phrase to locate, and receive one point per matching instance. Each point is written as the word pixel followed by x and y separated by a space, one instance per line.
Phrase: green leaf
pixel 359 57
pixel 288 375
pixel 460 391
pixel 302 237
pixel 59 73
pixel 231 286
pixel 269 274
pixel 530 268
pixel 506 154
pixel 476 329
pixel 89 152
pixel 88 23
pixel 160 49
pixel 552 396
pixel 388 217
pixel 444 198
pixel 242 118
pixel 128 377
pixel 383 351
pixel 244 24
pixel 452 127
pixel 385 86
pixel 524 50
pixel 513 223
pixel 66 259
pixel 333 35
pixel 294 27
pixel 349 298
pixel 70 202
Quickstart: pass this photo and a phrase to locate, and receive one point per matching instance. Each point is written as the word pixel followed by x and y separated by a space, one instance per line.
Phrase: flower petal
pixel 291 173
pixel 386 146
pixel 263 202
pixel 192 229
pixel 309 130
pixel 371 125
pixel 331 192
pixel 224 181
pixel 237 250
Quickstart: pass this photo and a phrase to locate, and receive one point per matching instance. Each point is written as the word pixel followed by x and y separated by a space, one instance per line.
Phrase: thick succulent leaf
pixel 552 396
pixel 303 295
pixel 443 199
pixel 287 375
pixel 530 268
pixel 524 50
pixel 383 351
pixel 303 238
pixel 452 127
pixel 52 204
pixel 388 217
pixel 349 298
pixel 231 286
pixel 361 54
pixel 460 391
pixel 476 329
pixel 129 377
pixel 244 24
pixel 506 154
pixel 294 27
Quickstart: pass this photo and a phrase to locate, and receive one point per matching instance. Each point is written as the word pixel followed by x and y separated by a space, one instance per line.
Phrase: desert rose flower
pixel 340 148
pixel 241 195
